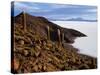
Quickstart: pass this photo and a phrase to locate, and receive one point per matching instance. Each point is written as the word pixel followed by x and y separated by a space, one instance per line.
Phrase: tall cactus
pixel 24 21
pixel 63 37
pixel 62 41
pixel 48 30
pixel 59 38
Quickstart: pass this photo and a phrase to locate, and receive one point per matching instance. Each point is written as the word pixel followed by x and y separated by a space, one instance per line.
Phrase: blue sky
pixel 56 11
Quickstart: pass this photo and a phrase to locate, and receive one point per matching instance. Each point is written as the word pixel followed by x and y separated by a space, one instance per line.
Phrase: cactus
pixel 48 30
pixel 63 37
pixel 59 38
pixel 24 21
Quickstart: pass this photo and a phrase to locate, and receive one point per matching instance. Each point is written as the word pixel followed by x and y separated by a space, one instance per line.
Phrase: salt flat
pixel 86 45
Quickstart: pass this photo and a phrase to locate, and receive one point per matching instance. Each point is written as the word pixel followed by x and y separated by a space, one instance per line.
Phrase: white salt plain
pixel 86 45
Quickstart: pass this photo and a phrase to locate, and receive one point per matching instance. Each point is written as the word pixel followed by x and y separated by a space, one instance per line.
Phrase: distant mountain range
pixel 74 19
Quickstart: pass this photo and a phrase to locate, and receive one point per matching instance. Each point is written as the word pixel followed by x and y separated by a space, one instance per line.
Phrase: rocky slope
pixel 32 51
pixel 39 24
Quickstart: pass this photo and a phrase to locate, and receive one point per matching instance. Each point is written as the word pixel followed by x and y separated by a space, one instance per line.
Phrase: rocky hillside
pixel 40 24
pixel 41 47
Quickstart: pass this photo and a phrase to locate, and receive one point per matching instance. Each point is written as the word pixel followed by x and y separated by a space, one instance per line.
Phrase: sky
pixel 56 11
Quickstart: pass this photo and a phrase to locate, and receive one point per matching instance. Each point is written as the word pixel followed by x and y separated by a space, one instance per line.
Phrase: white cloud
pixel 29 8
pixel 25 7
pixel 57 6
pixel 92 10
pixel 89 16
pixel 63 6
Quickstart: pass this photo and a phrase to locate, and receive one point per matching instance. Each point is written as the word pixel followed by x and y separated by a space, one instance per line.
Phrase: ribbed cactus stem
pixel 63 37
pixel 31 26
pixel 62 41
pixel 24 21
pixel 59 36
pixel 48 30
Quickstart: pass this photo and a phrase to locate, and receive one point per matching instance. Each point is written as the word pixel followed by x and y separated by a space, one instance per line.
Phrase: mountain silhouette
pixel 81 19
pixel 72 19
